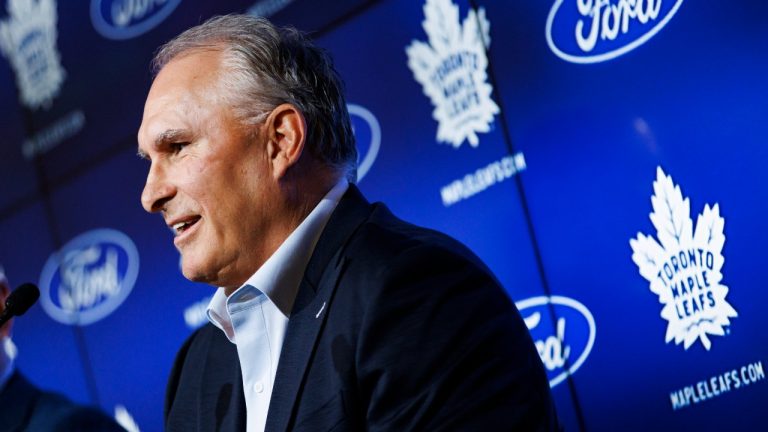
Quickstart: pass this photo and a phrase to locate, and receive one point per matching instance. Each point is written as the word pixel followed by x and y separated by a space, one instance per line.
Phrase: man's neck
pixel 301 198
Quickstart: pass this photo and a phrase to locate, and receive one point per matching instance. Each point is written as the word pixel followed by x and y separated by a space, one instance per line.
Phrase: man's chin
pixel 209 273
pixel 196 274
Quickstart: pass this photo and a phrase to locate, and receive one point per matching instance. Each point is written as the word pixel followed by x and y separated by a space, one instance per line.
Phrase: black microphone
pixel 21 299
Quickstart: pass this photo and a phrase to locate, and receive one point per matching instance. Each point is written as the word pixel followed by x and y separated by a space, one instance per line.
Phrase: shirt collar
pixel 280 276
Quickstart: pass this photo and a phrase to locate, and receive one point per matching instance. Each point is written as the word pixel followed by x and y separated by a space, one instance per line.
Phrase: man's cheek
pixel 193 167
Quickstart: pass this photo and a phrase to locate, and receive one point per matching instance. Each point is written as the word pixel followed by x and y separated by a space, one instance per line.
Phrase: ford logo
pixel 592 31
pixel 125 19
pixel 89 277
pixel 367 136
pixel 564 347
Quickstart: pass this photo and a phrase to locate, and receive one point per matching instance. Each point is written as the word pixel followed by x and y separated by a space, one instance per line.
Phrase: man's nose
pixel 158 190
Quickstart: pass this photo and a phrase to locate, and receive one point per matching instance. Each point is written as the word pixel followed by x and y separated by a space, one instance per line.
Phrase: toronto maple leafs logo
pixel 452 70
pixel 685 270
pixel 28 40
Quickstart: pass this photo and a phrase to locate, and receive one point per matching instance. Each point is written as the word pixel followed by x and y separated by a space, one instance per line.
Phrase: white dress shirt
pixel 255 316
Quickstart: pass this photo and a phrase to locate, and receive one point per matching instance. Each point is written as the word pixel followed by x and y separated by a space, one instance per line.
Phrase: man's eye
pixel 177 147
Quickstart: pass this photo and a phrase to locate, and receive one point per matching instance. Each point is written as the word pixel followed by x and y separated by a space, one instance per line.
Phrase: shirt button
pixel 258 387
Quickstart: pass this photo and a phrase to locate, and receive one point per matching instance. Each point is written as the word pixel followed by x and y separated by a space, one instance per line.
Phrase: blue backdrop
pixel 605 158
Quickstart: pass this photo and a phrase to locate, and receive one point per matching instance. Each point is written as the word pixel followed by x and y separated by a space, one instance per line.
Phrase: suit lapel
pixel 311 307
pixel 220 388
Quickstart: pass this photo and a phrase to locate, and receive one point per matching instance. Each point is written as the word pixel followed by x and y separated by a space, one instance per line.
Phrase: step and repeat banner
pixel 603 157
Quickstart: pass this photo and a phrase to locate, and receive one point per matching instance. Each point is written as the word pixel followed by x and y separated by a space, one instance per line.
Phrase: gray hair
pixel 268 66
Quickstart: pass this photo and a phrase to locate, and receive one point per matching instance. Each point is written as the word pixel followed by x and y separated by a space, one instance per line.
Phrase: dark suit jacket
pixel 394 328
pixel 24 407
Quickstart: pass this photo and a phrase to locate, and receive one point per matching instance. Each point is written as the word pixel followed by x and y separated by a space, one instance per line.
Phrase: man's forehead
pixel 185 79
pixel 165 113
pixel 167 110
pixel 184 88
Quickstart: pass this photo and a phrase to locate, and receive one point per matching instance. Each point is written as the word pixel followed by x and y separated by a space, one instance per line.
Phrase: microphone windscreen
pixel 22 298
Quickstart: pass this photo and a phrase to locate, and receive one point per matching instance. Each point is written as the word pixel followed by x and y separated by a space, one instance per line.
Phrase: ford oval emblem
pixel 592 31
pixel 89 277
pixel 126 19
pixel 367 136
pixel 564 347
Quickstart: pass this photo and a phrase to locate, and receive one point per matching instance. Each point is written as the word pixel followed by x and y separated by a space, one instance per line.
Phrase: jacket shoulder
pixel 436 341
pixel 386 242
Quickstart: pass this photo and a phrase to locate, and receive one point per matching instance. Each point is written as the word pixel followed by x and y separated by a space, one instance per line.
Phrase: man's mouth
pixel 182 226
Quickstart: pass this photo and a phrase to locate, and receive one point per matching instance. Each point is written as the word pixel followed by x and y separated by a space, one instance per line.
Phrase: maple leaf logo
pixel 28 40
pixel 685 270
pixel 452 71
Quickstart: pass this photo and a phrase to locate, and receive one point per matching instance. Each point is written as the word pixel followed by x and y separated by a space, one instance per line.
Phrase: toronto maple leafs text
pixel 686 274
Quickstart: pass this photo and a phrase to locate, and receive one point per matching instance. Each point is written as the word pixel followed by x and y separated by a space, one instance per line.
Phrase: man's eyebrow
pixel 170 136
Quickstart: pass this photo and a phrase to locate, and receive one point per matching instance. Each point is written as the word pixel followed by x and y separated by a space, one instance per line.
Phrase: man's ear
pixel 286 136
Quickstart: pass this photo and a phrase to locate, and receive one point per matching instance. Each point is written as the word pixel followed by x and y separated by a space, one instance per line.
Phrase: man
pixel 331 314
pixel 24 407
